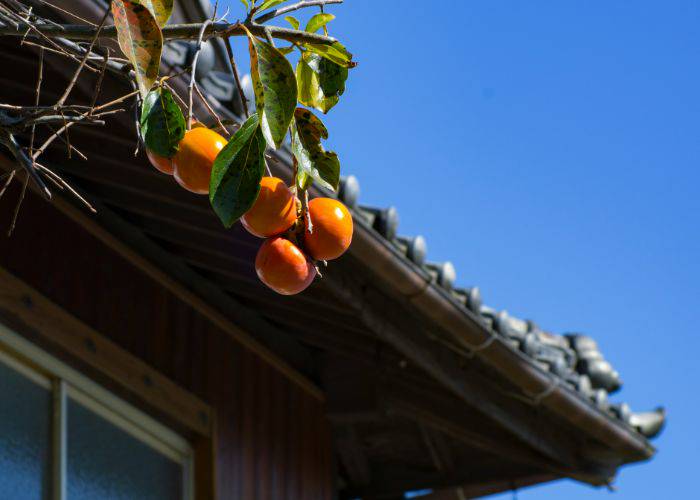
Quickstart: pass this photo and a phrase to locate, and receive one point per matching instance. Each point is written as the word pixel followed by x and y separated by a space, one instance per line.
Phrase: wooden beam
pixel 27 309
pixel 405 334
pixel 174 275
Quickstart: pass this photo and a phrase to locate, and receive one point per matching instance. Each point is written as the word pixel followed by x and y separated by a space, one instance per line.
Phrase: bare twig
pixel 234 71
pixel 37 94
pixel 71 14
pixel 48 141
pixel 63 184
pixel 194 71
pixel 10 176
pixel 68 145
pixel 210 109
pixel 188 31
pixel 27 163
pixel 290 8
pixel 18 206
pixel 88 52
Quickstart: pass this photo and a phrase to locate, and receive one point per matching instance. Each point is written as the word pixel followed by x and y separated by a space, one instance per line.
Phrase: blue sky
pixel 551 151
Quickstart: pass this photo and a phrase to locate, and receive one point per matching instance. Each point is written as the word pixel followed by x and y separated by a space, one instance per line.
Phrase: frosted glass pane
pixel 107 463
pixel 25 430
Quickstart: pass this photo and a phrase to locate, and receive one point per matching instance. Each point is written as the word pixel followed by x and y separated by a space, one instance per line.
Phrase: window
pixel 64 437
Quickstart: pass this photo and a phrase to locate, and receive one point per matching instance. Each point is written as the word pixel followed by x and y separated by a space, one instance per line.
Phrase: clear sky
pixel 551 151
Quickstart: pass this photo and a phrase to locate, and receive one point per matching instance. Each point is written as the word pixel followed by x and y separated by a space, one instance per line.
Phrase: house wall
pixel 272 440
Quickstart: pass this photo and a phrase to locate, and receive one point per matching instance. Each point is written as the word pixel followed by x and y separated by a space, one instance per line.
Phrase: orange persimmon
pixel 195 157
pixel 283 267
pixel 274 211
pixel 161 163
pixel 331 229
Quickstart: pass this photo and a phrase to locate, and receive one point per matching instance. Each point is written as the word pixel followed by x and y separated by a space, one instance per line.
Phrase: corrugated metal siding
pixel 273 439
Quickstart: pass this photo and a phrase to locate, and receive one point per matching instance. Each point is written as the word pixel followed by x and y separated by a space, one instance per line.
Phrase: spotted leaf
pixel 335 52
pixel 320 81
pixel 314 162
pixel 162 122
pixel 140 39
pixel 161 9
pixel 275 88
pixel 235 177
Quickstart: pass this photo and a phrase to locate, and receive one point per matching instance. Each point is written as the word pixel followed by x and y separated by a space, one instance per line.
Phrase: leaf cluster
pixel 318 82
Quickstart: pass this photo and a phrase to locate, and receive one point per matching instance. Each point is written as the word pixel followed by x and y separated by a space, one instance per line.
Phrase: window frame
pixel 63 381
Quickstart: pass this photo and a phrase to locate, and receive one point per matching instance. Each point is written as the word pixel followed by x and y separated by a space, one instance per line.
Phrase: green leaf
pixel 140 39
pixel 293 21
pixel 335 52
pixel 275 88
pixel 247 5
pixel 320 81
pixel 269 4
pixel 286 50
pixel 235 177
pixel 318 21
pixel 161 9
pixel 313 161
pixel 162 122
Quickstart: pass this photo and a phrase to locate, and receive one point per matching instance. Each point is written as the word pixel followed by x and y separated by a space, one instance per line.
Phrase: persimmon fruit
pixel 282 266
pixel 273 212
pixel 161 163
pixel 331 229
pixel 195 157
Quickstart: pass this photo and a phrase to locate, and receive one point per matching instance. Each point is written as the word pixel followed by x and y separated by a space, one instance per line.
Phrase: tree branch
pixel 170 32
pixel 290 8
pixel 9 140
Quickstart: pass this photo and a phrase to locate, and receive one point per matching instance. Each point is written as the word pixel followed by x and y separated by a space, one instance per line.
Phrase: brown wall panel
pixel 273 441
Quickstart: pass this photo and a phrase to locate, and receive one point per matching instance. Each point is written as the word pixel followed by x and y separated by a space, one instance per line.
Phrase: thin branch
pixel 234 71
pixel 63 184
pixel 10 176
pixel 193 71
pixel 210 109
pixel 71 14
pixel 48 141
pixel 88 52
pixel 18 206
pixel 37 93
pixel 170 32
pixel 26 162
pixel 290 8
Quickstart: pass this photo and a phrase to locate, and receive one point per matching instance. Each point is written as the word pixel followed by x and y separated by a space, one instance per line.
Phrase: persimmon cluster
pixel 295 239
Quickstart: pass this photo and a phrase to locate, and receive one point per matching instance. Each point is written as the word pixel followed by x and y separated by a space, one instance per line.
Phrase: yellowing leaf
pixel 318 21
pixel 293 21
pixel 161 9
pixel 314 162
pixel 320 81
pixel 140 39
pixel 335 52
pixel 269 4
pixel 275 88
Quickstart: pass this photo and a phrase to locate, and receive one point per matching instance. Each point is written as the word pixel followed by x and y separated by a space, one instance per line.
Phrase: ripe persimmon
pixel 273 212
pixel 161 163
pixel 195 157
pixel 283 267
pixel 331 229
